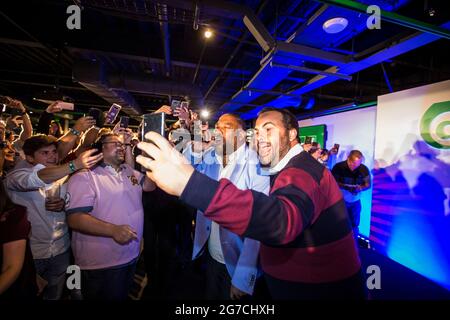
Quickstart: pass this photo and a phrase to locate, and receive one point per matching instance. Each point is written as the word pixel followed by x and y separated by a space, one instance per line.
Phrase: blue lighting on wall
pixel 409 222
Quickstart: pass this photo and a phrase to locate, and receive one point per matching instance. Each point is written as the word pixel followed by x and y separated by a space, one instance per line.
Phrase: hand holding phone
pixel 112 113
pixel 175 105
pixel 97 115
pixel 123 123
pixel 182 112
pixel 335 149
pixel 66 105
pixel 153 122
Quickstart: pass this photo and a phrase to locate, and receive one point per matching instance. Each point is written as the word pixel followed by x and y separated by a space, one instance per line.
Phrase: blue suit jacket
pixel 240 254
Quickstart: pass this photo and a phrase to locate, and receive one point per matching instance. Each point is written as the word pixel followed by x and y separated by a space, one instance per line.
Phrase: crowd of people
pixel 266 216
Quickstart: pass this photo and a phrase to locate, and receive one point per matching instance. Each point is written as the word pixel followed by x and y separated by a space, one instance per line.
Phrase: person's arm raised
pixel 84 161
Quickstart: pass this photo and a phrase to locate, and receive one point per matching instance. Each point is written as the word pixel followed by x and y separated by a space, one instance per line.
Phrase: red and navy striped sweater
pixel 303 224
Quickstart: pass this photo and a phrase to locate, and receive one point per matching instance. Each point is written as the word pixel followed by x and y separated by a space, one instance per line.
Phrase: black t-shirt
pixel 343 174
pixel 15 226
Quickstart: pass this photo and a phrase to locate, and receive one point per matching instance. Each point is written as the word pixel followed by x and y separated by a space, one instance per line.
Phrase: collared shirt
pixel 240 255
pixel 49 231
pixel 111 196
pixel 344 175
pixel 295 150
pixel 214 244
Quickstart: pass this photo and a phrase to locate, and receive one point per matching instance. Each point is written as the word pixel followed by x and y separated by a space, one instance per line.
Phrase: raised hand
pixel 84 123
pixel 166 109
pixel 54 107
pixel 182 113
pixel 17 104
pixel 87 160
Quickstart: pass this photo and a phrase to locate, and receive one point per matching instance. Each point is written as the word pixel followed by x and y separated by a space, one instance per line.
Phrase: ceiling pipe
pixel 271 92
pixel 313 71
pixel 407 44
pixel 164 27
pixel 196 16
pixel 142 84
pixel 238 47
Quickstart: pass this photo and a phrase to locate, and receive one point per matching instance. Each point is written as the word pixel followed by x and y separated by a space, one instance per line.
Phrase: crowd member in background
pixel 332 157
pixel 307 246
pixel 3 147
pixel 7 157
pixel 46 118
pixel 323 158
pixel 104 208
pixel 353 177
pixel 38 184
pixel 231 261
pixel 315 150
pixel 70 141
pixel 306 146
pixel 55 129
pixel 17 273
pixel 21 124
pixel 10 146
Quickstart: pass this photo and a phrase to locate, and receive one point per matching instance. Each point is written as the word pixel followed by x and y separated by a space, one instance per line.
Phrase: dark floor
pixel 397 282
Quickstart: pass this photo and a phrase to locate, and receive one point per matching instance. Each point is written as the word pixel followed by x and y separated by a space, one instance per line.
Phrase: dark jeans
pixel 352 288
pixel 53 270
pixel 354 213
pixel 218 283
pixel 108 284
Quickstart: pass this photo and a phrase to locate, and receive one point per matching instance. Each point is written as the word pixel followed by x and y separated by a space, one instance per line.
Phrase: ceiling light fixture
pixel 208 34
pixel 335 25
pixel 204 114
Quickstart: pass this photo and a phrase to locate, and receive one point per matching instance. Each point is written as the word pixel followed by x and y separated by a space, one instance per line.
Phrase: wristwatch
pixel 74 132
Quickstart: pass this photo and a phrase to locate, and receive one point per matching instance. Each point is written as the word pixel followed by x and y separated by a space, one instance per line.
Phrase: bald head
pixel 233 119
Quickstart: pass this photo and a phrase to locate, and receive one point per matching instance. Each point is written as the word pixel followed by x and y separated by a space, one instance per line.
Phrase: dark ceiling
pixel 154 44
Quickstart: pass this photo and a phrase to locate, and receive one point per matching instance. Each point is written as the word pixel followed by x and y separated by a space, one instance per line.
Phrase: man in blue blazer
pixel 232 261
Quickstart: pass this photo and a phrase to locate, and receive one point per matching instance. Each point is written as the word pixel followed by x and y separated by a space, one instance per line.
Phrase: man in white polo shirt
pixel 38 183
pixel 104 207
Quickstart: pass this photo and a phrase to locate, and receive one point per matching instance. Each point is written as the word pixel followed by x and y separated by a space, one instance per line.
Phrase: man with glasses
pixel 104 207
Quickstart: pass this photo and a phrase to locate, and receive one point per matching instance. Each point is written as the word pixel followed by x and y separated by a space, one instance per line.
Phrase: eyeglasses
pixel 116 144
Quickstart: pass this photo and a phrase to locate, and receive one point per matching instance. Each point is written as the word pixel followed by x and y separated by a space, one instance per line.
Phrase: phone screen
pixel 153 122
pixel 124 122
pixel 308 140
pixel 66 105
pixel 185 104
pixel 175 104
pixel 112 113
pixel 336 146
pixel 97 115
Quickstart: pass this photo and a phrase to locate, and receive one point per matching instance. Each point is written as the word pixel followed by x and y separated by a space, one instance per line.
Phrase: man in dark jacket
pixel 308 250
